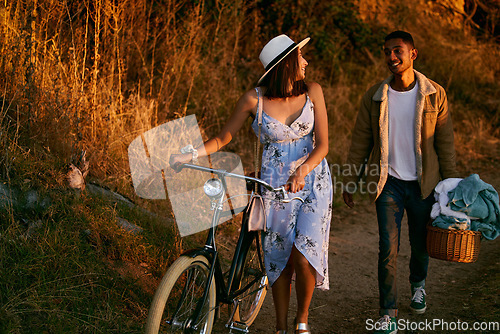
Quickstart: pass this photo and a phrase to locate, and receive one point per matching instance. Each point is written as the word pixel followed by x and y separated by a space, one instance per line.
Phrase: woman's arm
pixel 245 107
pixel 296 180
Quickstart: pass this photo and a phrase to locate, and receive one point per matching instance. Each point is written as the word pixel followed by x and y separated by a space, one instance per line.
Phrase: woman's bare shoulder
pixel 250 96
pixel 248 101
pixel 315 91
pixel 314 87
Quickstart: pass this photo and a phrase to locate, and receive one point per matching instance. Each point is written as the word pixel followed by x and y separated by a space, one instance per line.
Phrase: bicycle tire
pixel 168 298
pixel 252 300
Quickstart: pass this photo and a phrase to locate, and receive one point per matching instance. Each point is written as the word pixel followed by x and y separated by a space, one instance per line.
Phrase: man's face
pixel 399 56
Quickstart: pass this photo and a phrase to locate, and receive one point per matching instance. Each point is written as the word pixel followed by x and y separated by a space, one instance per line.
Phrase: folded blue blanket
pixel 478 200
pixel 451 223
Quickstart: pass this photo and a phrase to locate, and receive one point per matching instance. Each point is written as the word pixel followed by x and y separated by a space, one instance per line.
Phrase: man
pixel 404 132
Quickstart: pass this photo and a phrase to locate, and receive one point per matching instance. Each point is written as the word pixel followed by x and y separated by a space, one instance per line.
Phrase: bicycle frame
pixel 228 293
pixel 225 293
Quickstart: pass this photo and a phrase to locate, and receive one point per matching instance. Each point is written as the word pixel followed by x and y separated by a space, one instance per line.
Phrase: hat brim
pixel 299 45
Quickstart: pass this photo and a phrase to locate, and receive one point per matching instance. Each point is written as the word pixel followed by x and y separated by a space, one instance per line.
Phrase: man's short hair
pixel 405 36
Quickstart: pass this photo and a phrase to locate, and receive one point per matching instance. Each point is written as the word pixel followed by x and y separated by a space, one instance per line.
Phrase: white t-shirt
pixel 402 160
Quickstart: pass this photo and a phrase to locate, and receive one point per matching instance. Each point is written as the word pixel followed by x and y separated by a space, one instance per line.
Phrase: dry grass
pixel 94 74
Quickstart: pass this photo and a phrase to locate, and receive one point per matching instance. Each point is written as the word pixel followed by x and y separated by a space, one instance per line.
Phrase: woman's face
pixel 302 67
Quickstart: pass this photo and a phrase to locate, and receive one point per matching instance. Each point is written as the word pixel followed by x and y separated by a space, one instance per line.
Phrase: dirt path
pixel 456 291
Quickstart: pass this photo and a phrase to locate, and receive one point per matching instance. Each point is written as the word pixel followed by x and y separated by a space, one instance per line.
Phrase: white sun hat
pixel 277 49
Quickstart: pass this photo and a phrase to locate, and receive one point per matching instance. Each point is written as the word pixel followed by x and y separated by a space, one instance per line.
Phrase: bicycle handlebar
pixel 224 173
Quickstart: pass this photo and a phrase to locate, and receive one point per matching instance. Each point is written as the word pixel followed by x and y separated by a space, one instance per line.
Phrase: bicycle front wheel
pixel 178 296
pixel 254 280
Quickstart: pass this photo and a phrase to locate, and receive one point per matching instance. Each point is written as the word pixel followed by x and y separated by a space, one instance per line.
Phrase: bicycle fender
pixel 192 253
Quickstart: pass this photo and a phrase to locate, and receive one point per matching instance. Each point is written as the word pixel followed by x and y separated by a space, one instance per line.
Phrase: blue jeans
pixel 396 197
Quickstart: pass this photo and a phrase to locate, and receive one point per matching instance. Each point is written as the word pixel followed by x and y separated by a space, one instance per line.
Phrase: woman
pixel 294 132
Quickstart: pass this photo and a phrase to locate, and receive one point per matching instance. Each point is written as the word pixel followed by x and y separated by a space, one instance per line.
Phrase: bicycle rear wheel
pixel 176 299
pixel 255 280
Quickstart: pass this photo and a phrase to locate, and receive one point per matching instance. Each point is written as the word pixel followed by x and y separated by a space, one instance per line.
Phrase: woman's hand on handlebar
pixel 176 160
pixel 295 183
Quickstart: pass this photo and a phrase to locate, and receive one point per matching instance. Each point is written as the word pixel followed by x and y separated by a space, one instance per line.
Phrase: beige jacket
pixel 435 150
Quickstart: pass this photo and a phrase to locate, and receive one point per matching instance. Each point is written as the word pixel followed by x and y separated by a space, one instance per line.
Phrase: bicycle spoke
pixel 191 295
pixel 178 296
pixel 252 287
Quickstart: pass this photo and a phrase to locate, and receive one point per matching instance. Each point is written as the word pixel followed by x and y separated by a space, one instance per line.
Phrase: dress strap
pixel 259 106
pixel 257 140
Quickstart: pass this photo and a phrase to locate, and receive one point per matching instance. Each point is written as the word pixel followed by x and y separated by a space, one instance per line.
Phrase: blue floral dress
pixel 307 225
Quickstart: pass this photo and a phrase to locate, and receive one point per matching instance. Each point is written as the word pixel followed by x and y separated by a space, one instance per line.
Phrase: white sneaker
pixel 386 325
pixel 418 304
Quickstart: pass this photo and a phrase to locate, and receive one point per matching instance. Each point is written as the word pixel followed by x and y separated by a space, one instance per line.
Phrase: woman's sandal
pixel 302 328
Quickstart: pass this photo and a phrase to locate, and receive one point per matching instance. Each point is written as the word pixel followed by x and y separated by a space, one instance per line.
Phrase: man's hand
pixel 348 199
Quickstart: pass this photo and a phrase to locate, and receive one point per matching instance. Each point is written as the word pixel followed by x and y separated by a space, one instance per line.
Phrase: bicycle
pixel 194 286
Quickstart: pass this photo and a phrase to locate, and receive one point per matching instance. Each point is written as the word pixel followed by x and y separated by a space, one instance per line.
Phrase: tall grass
pixel 94 74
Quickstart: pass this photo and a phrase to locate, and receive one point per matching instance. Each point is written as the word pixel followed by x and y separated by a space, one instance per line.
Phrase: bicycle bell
pixel 213 188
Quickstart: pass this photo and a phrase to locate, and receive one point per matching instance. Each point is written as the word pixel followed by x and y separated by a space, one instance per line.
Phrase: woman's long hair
pixel 277 81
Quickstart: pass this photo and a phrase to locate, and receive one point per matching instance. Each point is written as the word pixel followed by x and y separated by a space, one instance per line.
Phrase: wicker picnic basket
pixel 453 245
